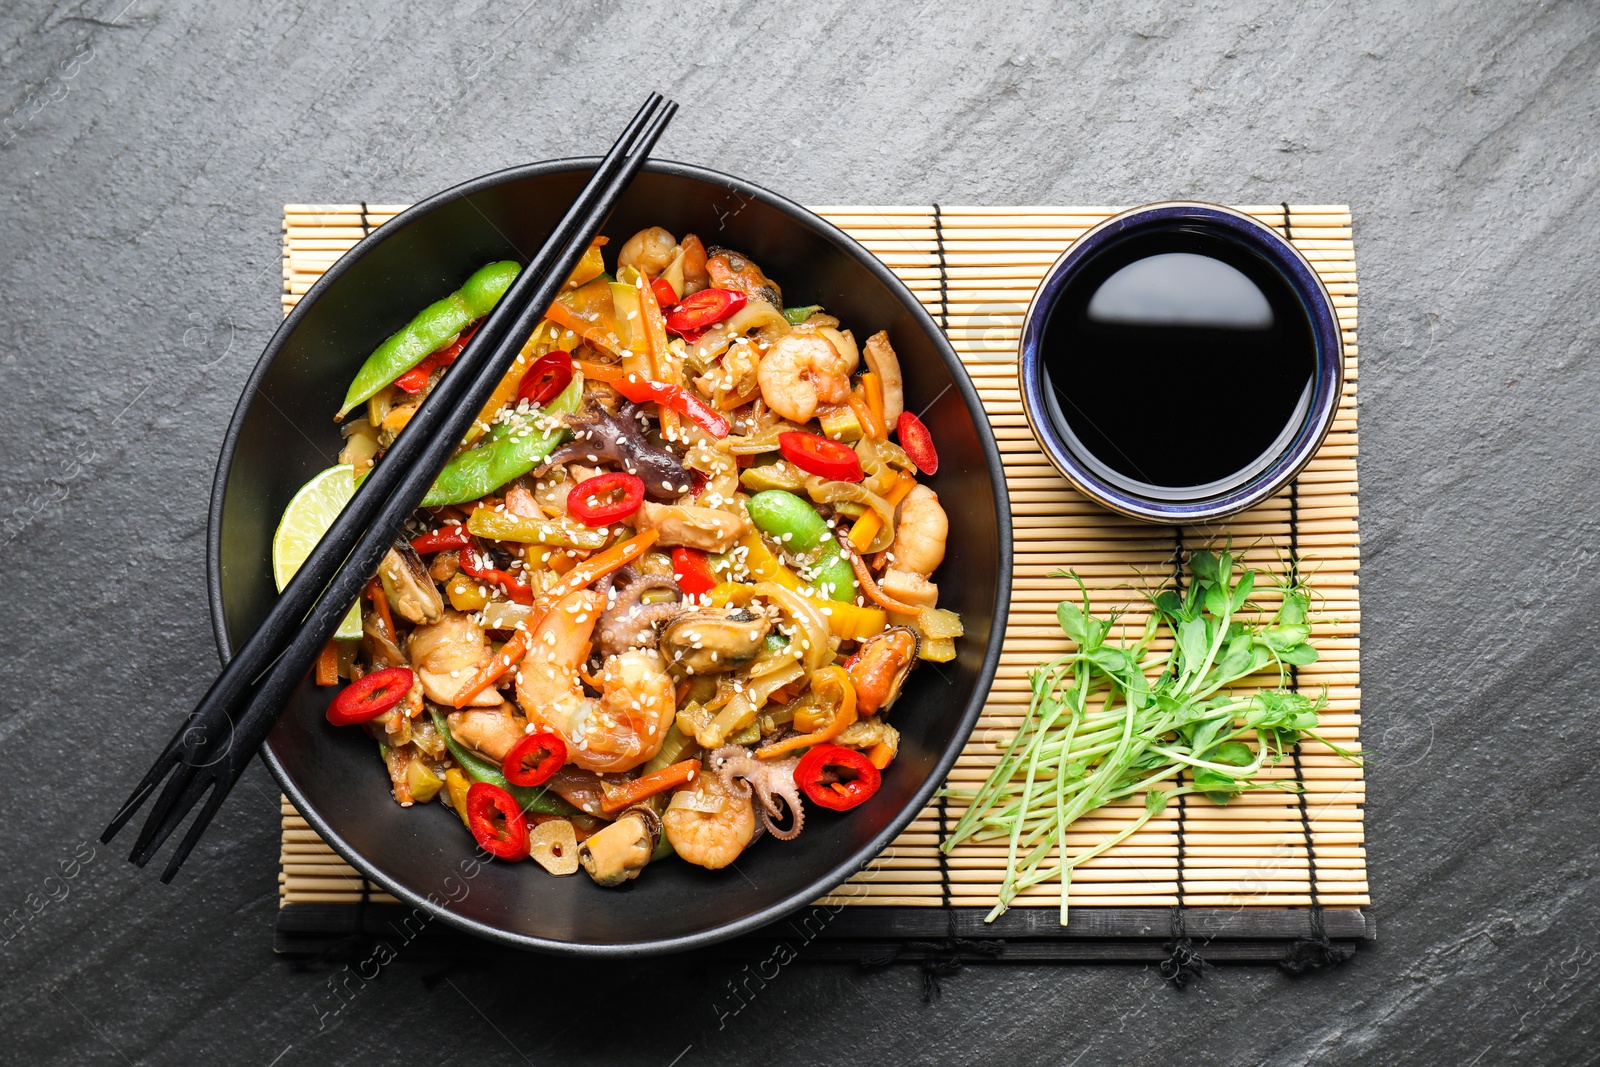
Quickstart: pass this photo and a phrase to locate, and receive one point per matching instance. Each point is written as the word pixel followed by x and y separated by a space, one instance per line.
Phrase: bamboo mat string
pixel 1183 964
pixel 1315 950
pixel 940 958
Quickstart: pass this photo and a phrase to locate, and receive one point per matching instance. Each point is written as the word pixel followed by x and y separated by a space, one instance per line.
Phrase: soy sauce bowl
pixel 1250 483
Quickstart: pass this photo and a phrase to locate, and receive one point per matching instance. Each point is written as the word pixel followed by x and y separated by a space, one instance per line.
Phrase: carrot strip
pixel 600 372
pixel 591 569
pixel 872 388
pixel 880 755
pixel 869 423
pixel 868 525
pixel 509 656
pixel 380 603
pixel 629 793
pixel 328 665
pixel 869 586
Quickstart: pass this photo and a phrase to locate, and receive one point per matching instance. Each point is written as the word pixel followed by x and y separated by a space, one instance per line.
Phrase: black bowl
pixel 283 432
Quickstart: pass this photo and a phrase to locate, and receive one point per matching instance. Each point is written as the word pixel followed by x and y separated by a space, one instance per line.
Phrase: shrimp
pixel 918 549
pixel 651 250
pixel 802 370
pixel 447 655
pixel 709 825
pixel 627 723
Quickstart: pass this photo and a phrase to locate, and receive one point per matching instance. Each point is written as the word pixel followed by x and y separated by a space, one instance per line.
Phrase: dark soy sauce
pixel 1178 360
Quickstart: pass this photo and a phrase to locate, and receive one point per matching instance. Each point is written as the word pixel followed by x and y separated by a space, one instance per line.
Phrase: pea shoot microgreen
pixel 1119 718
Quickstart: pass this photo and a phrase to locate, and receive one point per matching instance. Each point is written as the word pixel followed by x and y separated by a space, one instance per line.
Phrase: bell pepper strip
pixel 546 379
pixel 478 769
pixel 429 331
pixel 645 786
pixel 643 391
pixel 863 411
pixel 370 696
pixel 548 750
pixel 870 587
pixel 697 313
pixel 691 568
pixel 591 266
pixel 472 564
pixel 497 822
pixel 794 523
pixel 413 380
pixel 841 714
pixel 817 455
pixel 510 654
pixel 513 448
pixel 456 785
pixel 918 443
pixel 666 296
pixel 837 778
pixel 591 501
pixel 867 526
pixel 327 671
pixel 443 539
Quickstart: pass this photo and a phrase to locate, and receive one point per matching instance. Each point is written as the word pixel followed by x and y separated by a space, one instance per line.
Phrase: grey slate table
pixel 145 153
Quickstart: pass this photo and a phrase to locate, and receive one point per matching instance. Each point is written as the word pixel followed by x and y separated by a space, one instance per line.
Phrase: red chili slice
pixel 694 313
pixel 497 821
pixel 836 777
pixel 918 443
pixel 370 696
pixel 692 569
pixel 545 380
pixel 603 511
pixel 549 752
pixel 445 537
pixel 666 295
pixel 820 456
pixel 471 564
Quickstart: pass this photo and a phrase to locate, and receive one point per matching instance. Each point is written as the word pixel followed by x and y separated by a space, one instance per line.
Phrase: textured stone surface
pixel 147 150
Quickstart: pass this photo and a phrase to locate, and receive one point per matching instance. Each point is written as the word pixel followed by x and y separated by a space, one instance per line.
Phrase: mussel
pixel 708 640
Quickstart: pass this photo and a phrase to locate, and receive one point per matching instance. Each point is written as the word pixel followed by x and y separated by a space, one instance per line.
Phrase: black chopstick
pixel 225 729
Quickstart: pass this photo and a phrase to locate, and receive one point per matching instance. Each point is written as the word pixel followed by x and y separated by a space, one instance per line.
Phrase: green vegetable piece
pixel 510 450
pixel 531 798
pixel 432 329
pixel 797 527
pixel 795 316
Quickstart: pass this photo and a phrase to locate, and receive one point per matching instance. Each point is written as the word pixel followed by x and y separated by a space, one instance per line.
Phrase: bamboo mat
pixel 974 269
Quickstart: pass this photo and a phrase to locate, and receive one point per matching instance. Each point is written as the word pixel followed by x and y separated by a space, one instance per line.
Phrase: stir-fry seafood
pixel 668 591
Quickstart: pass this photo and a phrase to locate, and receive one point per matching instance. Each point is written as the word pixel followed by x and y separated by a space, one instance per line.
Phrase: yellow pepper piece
pixel 590 267
pixel 868 525
pixel 455 787
pixel 847 621
pixel 464 593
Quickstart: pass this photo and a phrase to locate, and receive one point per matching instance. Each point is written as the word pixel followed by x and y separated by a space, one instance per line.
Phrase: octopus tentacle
pixel 626 623
pixel 769 781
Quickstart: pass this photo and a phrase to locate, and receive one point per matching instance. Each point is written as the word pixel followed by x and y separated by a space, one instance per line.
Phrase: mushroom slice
pixel 554 846
pixel 408 586
pixel 620 851
pixel 708 640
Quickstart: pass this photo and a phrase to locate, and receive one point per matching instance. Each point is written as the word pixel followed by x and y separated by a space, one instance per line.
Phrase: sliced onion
pixel 824 491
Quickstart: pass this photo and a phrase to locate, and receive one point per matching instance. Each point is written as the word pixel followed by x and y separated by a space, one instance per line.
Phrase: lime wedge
pixel 304 521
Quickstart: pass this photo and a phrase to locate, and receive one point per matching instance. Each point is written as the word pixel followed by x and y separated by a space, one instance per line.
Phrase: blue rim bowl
pixel 1281 463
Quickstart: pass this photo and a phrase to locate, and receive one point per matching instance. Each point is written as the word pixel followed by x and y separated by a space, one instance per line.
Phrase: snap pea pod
pixel 430 331
pixel 510 450
pixel 795 316
pixel 531 798
pixel 795 525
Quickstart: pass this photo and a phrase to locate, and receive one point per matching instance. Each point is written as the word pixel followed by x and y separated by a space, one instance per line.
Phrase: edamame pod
pixel 432 329
pixel 795 524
